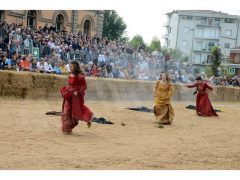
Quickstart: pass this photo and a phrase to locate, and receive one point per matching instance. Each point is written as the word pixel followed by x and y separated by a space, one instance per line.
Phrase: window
pixel 227 45
pixel 186 30
pixel 200 32
pixel 189 17
pixel 210 21
pixel 217 21
pixel 170 29
pixel 59 22
pixel 228 33
pixel 87 28
pixel 227 20
pixel 184 43
pixel 31 19
pixel 199 45
pixel 203 20
pixel 198 59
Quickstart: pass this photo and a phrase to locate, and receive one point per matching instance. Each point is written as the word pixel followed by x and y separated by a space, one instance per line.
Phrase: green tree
pixel 175 53
pixel 216 57
pixel 155 44
pixel 137 41
pixel 113 25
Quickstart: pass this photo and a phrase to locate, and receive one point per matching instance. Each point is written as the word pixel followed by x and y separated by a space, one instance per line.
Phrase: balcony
pixel 166 24
pixel 205 50
pixel 207 37
pixel 208 23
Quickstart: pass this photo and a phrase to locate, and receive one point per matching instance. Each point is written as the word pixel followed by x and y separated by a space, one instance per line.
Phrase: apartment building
pixel 194 32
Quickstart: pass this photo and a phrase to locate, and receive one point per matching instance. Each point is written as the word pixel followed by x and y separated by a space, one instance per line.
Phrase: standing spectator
pixel 19 40
pixel 101 59
pixel 3 35
pixel 46 50
pixel 28 44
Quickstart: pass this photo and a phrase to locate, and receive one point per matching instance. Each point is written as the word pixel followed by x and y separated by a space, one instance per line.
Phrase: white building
pixel 195 31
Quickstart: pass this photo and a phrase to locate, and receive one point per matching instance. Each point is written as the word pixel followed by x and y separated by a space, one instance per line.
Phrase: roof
pixel 206 12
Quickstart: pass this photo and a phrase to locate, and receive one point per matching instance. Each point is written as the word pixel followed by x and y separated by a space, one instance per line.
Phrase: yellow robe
pixel 163 110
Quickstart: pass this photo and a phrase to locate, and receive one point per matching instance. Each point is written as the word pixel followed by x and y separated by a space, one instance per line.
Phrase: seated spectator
pixel 33 65
pixel 25 64
pixel 40 65
pixel 67 67
pixel 12 63
pixel 48 67
pixel 63 67
pixel 57 69
pixel 3 62
pixel 94 71
pixel 121 74
pixel 87 70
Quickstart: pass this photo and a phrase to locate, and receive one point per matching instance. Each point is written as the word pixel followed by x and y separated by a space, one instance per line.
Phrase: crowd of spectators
pixel 225 81
pixel 98 57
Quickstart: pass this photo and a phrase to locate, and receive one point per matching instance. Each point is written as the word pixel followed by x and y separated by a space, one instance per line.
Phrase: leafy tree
pixel 155 44
pixel 216 57
pixel 175 53
pixel 113 25
pixel 137 41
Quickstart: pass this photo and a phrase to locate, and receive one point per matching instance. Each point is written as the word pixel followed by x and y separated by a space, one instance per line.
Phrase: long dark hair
pixel 77 68
pixel 167 77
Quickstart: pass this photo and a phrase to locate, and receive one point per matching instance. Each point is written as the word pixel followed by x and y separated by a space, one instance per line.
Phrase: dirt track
pixel 31 140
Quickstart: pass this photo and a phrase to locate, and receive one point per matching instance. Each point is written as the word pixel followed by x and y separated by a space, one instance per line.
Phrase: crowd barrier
pixel 36 85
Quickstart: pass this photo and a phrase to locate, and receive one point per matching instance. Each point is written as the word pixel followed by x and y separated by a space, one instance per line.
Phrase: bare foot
pixel 89 124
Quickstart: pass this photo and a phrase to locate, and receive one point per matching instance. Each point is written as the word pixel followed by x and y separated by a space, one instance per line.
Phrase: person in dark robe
pixel 203 104
pixel 73 108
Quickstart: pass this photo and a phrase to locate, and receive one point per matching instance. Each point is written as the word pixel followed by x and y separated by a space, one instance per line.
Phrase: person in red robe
pixel 203 104
pixel 73 108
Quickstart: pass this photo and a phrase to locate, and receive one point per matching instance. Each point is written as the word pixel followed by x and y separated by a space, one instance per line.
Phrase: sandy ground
pixel 31 140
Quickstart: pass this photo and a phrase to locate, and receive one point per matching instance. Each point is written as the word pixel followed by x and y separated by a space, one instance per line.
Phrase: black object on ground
pixel 54 113
pixel 194 108
pixel 141 109
pixel 100 120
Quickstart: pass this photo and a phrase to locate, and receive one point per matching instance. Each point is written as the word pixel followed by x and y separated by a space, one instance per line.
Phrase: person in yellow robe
pixel 163 109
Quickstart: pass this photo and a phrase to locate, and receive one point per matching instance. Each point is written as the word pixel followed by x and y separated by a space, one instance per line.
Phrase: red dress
pixel 203 104
pixel 73 108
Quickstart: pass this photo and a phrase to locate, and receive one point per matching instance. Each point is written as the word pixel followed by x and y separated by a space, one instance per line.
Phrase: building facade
pixel 88 21
pixel 194 32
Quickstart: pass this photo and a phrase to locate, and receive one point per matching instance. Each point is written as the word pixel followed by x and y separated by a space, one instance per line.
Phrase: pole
pixel 192 46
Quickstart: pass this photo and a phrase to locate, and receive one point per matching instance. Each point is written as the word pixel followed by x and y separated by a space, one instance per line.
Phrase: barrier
pixel 36 85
